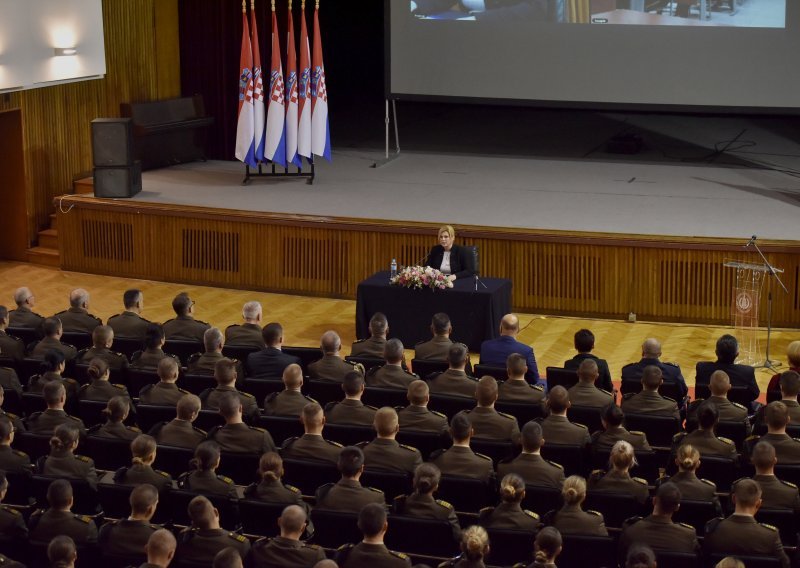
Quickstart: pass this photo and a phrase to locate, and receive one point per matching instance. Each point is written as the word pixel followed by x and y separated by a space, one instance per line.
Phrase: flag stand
pixel 307 175
pixel 388 119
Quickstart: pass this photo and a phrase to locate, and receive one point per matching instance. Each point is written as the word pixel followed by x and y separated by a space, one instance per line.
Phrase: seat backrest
pixel 415 535
pixel 425 442
pixel 140 378
pixel 108 453
pixel 589 416
pixel 784 519
pixel 572 458
pixel 115 499
pixel 13 402
pixel 737 394
pixel 85 498
pixel 242 468
pixel 499 373
pixel 307 355
pixel 380 397
pixel 332 528
pixel 540 500
pixel 208 419
pixel 523 411
pixel 183 349
pixel 466 494
pixel 616 507
pixel 127 345
pixel 172 460
pixel 450 405
pixel 734 431
pixel 509 546
pixel 91 412
pixel 588 551
pixel 33 402
pixel 672 559
pixel 307 475
pixel 261 387
pixel 259 517
pixel 498 450
pixel 392 483
pixel 324 391
pixel 347 434
pixel 35 445
pixel 368 362
pixel 196 383
pixel 658 429
pixel 27 368
pixel 79 339
pixel 559 376
pixel 148 415
pixel 722 471
pixel 646 467
pixel 27 334
pixel 788 472
pixel 423 368
pixel 238 352
pixel 773 395
pixel 696 513
pixel 281 427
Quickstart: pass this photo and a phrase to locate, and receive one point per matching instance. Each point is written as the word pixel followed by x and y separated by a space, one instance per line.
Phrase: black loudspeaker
pixel 112 142
pixel 118 182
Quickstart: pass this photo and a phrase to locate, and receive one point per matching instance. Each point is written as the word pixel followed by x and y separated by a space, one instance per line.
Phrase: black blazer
pixel 269 362
pixel 740 375
pixel 461 261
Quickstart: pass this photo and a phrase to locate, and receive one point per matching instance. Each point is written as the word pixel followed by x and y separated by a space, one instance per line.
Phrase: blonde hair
pixel 730 562
pixel 447 229
pixel 574 490
pixel 475 542
pixel 687 458
pixel 793 353
pixel 622 456
pixel 512 488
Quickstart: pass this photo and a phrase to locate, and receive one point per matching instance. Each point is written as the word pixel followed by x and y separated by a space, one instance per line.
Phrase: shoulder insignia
pixel 751 438
pixel 789 484
pixel 678 436
pixel 485 511
pixel 198 430
pixel 335 444
pixel 309 399
pixel 83 459
pixel 246 394
pixel 84 387
pixel 597 472
pixel 606 392
pixel 398 554
pixel 226 480
pixel 289 441
pixel 161 473
pixel 345 547
pixel 531 514
pixel 629 395
pixel 375 490
pixel 669 399
pixel 237 537
pixel 19 453
pixel 359 341
pixel 711 483
pixel 737 405
pixel 257 429
pixel 444 504
pixel 437 413
pixel 182 391
pixel 537 387
pixel 83 518
pixel 504 415
pixel 688 526
pixel 11 511
pixel 147 388
pixel 75 418
pixel 483 456
pixel 291 488
pixel 118 386
pixel 309 545
pixel 134 429
pixel 726 440
pixel 579 424
pixel 370 407
pixel 770 527
pixel 554 464
pixel 636 432
pixel 409 448
pixel 595 513
pixel 640 480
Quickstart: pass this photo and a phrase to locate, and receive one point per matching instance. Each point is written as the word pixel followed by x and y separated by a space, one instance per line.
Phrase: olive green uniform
pixel 659 533
pixel 149 359
pixel 286 403
pixel 509 516
pixel 426 507
pixel 116 361
pixel 390 377
pixel 243 439
pixel 185 328
pixel 14 461
pixel 728 411
pixel 650 402
pixel 741 534
pixel 559 430
pixel 386 454
pixel 586 394
pixel 332 368
pixel 777 494
pixel 616 482
pixel 46 525
pixel 178 433
pixel 370 347
pixel 115 431
pixel 161 394
pixel 706 443
pixel 63 463
pixel 210 399
pixel 694 488
pixel 140 473
pixel 125 537
pixel 12 347
pixel 78 319
pixel 311 447
pixel 49 343
pixel 274 491
pixel 71 386
pixel 350 411
pixel 534 470
pixel 489 424
pixel 463 462
pixel 24 317
pixel 516 390
pixel 208 482
pixel 571 519
pixel 201 546
pixel 47 421
pixel 422 419
pixel 12 524
pixel 787 449
pixel 129 325
pixel 363 554
pixel 454 383
pixel 102 390
pixel 246 334
pixel 285 552
pixel 605 440
pixel 348 496
pixel 9 379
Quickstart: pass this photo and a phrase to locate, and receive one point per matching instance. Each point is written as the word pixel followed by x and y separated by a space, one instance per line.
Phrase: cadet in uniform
pixel 509 514
pixel 311 445
pixel 417 416
pixel 152 354
pixel 556 427
pixel 618 479
pixel 486 422
pixel 53 331
pixel 384 452
pixel 391 375
pixel 775 493
pixel 247 334
pixel 271 489
pixel 128 537
pixel 740 533
pixel 584 392
pixel 332 367
pixel 648 401
pixel 184 326
pixel 719 385
pixel 704 439
pixel 530 465
pixel 179 432
pixel 77 317
pixel 10 346
pixel 651 352
pixel 99 388
pixel 204 479
pixel 9 379
pixel 165 392
pixel 516 388
pixel 205 363
pixel 130 324
pixel 691 487
pixel 376 343
pixel 290 401
pixel 571 518
pixel 351 410
pixel 62 461
pixel 143 449
pixel 236 436
pixel 786 448
pixel 421 502
pixel 225 374
pixel 438 347
pixel 348 495
pixel 103 339
pixel 23 316
pixel 204 539
pixel 287 549
pixel 12 524
pixel 371 551
pixel 455 381
pixel 459 459
pixel 11 460
pixel 45 422
pixel 59 520
pixel 613 431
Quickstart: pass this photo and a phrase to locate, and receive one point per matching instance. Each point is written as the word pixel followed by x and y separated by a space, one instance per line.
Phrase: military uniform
pixel 161 394
pixel 311 447
pixel 178 433
pixel 37 382
pixel 185 328
pixel 116 361
pixel 244 335
pixel 12 347
pixel 463 462
pixel 200 546
pixel 77 320
pixel 140 473
pixel 787 449
pixel 47 421
pixel 671 373
pixel 24 317
pixel 205 363
pixel 706 443
pixel 103 390
pixel 426 507
pixel 14 461
pixel 650 402
pixel 777 494
pixel 125 537
pixel 49 343
pixel 728 411
pixel 208 482
pixel 516 390
pixel 347 496
pixel 63 463
pixel 15 420
pixel 363 554
pixel 370 347
pixel 46 525
pixel 605 440
pixel 286 403
pixel 332 368
pixel 455 383
pixel 693 488
pixel 9 379
pixel 741 534
pixel 586 394
pixel 604 375
pixel 659 533
pixel 759 420
pixel 390 377
pixel 149 359
pixel 129 325
pixel 492 425
pixel 210 399
pixel 275 491
pixel 350 411
pixel 243 439
pixel 115 431
pixel 571 519
pixel 383 453
pixel 12 524
pixel 7 562
pixel 617 482
pixel 285 552
pixel 509 516
pixel 559 430
pixel 422 419
pixel 435 349
pixel 534 470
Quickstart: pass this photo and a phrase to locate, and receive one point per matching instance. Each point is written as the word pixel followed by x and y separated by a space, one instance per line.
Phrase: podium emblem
pixel 744 302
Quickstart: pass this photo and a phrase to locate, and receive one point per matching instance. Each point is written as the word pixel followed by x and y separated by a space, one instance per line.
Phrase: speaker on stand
pixel 116 174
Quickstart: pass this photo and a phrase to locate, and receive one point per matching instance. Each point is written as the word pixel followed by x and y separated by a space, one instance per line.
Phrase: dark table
pixel 475 315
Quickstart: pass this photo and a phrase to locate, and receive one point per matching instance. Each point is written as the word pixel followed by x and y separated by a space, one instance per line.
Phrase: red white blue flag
pixel 275 147
pixel 292 156
pixel 320 130
pixel 245 131
pixel 258 88
pixel 304 91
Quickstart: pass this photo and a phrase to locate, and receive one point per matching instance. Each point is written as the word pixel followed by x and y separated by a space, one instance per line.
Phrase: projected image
pixel 729 13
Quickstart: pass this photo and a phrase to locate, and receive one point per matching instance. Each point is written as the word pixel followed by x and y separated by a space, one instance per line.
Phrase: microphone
pixel 751 241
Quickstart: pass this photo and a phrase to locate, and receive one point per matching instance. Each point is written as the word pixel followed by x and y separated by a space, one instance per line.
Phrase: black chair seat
pixel 499 373
pixel 12 402
pixel 183 349
pixel 722 471
pixel 523 411
pixel 696 513
pixel 308 475
pixel 148 415
pixel 307 355
pixel 333 528
pixel 238 352
pixel 587 415
pixel 414 535
pixel 347 434
pixel 27 368
pixel 423 367
pixel 108 453
pixel 19 489
pixel 672 559
pixel 140 378
pixel 466 494
pixel 540 500
pixel 558 376
pixel 658 429
pixel 425 442
pixel 588 551
pixel 127 345
pixel 450 405
pixel 670 389
pixel 510 546
pixel 242 468
pixel 572 458
pixel 788 472
pixel 172 460
pixel 616 507
pixel 196 383
pixel 281 427
pixel 208 419
pixel 91 412
pixel 262 387
pixel 259 517
pixel 33 402
pixel 324 391
pixel 27 334
pixel 35 445
pixel 80 339
pixel 379 397
pixel 737 394
pixel 734 431
pixel 495 449
pixel 392 483
pixel 784 519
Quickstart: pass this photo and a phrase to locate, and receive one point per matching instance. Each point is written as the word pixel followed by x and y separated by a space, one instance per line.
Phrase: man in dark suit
pixel 270 361
pixel 740 375
pixel 651 352
pixel 495 352
pixel 584 343
pixel 449 257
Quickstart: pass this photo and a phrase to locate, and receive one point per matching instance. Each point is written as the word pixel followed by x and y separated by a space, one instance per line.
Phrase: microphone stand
pixel 771 365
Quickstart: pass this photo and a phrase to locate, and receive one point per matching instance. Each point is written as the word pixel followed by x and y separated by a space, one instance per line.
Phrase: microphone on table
pixel 751 241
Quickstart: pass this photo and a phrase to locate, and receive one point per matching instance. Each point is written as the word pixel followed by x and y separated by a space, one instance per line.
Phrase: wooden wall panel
pixel 142 65
pixel 552 272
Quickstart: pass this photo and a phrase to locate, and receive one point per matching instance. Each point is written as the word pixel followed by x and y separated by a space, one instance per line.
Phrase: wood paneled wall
pixel 591 275
pixel 142 64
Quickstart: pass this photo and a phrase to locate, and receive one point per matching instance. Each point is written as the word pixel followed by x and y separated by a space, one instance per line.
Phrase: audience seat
pixel 425 442
pixel 572 458
pixel 27 368
pixel 173 460
pixel 498 450
pixel 334 528
pixel 308 475
pixel 241 467
pixel 281 427
pixel 35 445
pixel 324 391
pixel 107 453
pixel 208 419
pixel 737 394
pixel 33 402
pixel 588 551
pixel 261 387
pixel 19 489
pixel 148 415
pixel 414 535
pixel 616 507
pixel 348 434
pixel 450 405
pixel 788 472
pixel 307 355
pixel 673 559
pixel 734 431
pixel 183 349
pixel 589 416
pixel 127 345
pixel 658 429
pixel 467 494
pixel 85 498
pixel 541 500
pixel 696 513
pixel 784 519
pixel 259 517
pixel 392 483
pixel 523 411
pixel 80 372
pixel 380 397
pixel 670 390
pixel 140 378
pixel 79 339
pixel 499 373
pixel 423 367
pixel 722 471
pixel 91 412
pixel 27 334
pixel 558 376
pixel 196 383
pixel 12 401
pixel 239 352
pixel 508 546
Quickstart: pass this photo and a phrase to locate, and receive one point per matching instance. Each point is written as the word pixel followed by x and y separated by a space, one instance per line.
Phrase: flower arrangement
pixel 418 277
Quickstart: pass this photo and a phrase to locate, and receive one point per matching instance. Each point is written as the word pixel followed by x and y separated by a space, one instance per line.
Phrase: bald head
pixel 386 422
pixel 330 343
pixel 719 384
pixel 418 393
pixel 509 325
pixel 292 522
pixel 293 377
pixel 160 547
pixel 587 371
pixel 651 349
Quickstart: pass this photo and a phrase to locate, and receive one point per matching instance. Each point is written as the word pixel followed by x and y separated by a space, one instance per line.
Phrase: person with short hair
pixel 509 514
pixel 15 420
pixel 235 436
pixel 584 392
pixel 180 431
pixel 52 330
pixel 371 551
pixel 160 549
pixel 311 445
pixel 515 388
pixel 529 464
pixel 571 518
pixel 495 352
pixel 649 400
pixel 225 373
pixel 288 550
pixel 130 324
pixel 455 380
pixel 789 386
pixel 704 438
pixel 271 488
pixel 719 385
pixel 613 431
pixel 787 448
pixel 793 358
pixel 184 326
pixel 618 478
pixel 166 391
pixel 417 416
pixel 249 333
pixel 291 400
pixel 99 387
pixel 556 427
pixel 58 519
pixel 332 367
pixel 347 494
pixel 143 451
pixel 23 315
pixel 422 504
pixel 584 345
pixel 10 346
pixel 271 361
pixel 151 356
pixel 640 556
pixel 11 460
pixel 374 345
pixel 205 363
pixel 77 317
pixel 487 422
pixel 384 452
pixel 350 410
pixel 103 340
pixel 391 375
pixel 12 523
pixel 459 459
pixel 62 460
pixel 227 558
pixel 129 537
pixel 740 533
pixel 775 493
pixel 727 351
pixel 61 552
pixel 651 355
pixel 200 542
pixel 437 348
pixel 203 478
pixel 46 421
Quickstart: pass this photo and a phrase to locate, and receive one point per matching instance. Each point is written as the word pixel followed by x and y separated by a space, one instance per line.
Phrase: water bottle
pixel 393 269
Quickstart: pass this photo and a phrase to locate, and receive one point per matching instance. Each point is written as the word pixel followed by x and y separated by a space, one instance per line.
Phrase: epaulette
pixel 289 441
pixel 245 394
pixel 444 504
pixel 485 511
pixel 134 429
pixel 531 514
pixel 83 518
pixel 84 387
pixel 554 464
pixel 796 439
pixel 688 526
pixel 118 386
pixel 437 413
pixel 788 483
pixel 257 429
pixel 184 391
pixel 11 511
pixel 737 405
pixel 678 436
pixel 631 521
pixel 536 387
pixel 19 453
pixel 370 407
pixel 83 459
pixel 359 341
pixel 200 430
pixel 309 545
pixel 726 440
pixel 593 512
pixel 409 448
pixel 636 432
pixel 375 490
pixel 291 488
pixel 398 554
pixel 308 398
pixel 374 370
pixel 581 425
pixel 751 438
pixel 628 395
pixel 640 480
pixel 362 444
pixel 11 416
pixel 605 391
pixel 147 388
pixel 435 454
pixel 75 418
pixel 416 376
pixel 669 399
pixel 161 473
pixel 770 527
pixel 34 416
pixel 226 480
pixel 345 547
pixel 237 537
pixel 331 404
pixel 711 483
pixel 483 456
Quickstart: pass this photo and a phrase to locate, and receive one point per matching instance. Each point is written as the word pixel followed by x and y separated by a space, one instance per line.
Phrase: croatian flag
pixel 291 95
pixel 320 131
pixel 304 92
pixel 275 148
pixel 258 90
pixel 245 132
